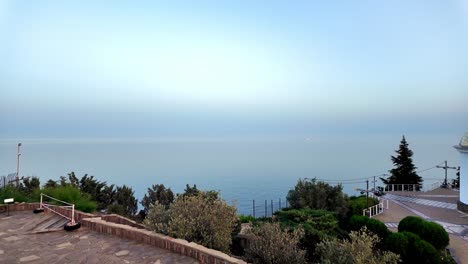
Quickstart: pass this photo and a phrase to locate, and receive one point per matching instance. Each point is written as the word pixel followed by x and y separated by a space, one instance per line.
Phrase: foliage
pixel 272 245
pixel 198 218
pixel 318 195
pixel 125 202
pixel 94 188
pixel 456 181
pixel 411 248
pixel 404 171
pixel 357 205
pixel 247 219
pixel 50 184
pixel 158 218
pixel 317 224
pixel 72 195
pixel 431 232
pixel 361 248
pixel 191 191
pixel 28 186
pixel 11 191
pixel 372 225
pixel 157 193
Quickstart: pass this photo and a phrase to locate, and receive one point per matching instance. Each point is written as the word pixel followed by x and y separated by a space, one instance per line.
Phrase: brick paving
pixel 20 244
pixel 437 206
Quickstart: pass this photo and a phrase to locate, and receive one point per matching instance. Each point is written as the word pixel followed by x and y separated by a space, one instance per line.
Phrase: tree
pixel 125 202
pixel 404 171
pixel 318 195
pixel 159 193
pixel 50 184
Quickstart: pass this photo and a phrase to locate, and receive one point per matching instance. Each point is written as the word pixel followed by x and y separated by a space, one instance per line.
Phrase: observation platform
pixel 34 238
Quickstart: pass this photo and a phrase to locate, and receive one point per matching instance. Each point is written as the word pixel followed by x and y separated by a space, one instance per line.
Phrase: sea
pixel 246 171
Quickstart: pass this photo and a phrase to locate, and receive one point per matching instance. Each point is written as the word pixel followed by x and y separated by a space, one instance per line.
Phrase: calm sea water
pixel 241 169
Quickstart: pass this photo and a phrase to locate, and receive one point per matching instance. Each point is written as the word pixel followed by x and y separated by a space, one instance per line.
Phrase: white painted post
pixel 41 202
pixel 73 215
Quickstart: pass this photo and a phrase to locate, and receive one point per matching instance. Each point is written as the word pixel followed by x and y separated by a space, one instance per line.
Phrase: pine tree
pixel 404 171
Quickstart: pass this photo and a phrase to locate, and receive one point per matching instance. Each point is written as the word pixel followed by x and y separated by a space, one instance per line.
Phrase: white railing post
pixel 41 202
pixel 73 215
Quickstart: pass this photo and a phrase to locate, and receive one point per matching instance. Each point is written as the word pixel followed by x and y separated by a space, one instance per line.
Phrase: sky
pixel 217 68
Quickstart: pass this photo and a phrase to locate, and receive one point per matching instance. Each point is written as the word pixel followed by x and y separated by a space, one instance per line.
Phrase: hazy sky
pixel 111 68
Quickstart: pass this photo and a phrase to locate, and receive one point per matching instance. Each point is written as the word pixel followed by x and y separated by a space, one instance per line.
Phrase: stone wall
pixel 179 246
pixel 118 219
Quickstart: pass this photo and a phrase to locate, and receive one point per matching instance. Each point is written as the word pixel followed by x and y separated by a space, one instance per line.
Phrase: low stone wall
pixel 179 246
pixel 22 206
pixel 118 219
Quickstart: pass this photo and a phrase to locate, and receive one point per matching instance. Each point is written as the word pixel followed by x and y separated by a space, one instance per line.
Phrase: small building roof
pixel 463 145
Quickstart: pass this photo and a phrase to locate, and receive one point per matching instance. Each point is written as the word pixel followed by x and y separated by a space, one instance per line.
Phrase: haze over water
pixel 241 169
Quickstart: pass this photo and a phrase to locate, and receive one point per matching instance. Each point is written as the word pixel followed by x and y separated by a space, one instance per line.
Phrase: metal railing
pixel 376 209
pixel 402 187
pixel 51 207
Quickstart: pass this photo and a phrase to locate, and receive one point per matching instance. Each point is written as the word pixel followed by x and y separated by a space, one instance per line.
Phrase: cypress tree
pixel 404 171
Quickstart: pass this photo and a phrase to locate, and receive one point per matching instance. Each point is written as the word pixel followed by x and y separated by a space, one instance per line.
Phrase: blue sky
pixel 121 68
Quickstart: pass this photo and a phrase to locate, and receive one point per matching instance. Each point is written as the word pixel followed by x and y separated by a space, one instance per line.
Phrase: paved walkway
pixel 438 206
pixel 19 244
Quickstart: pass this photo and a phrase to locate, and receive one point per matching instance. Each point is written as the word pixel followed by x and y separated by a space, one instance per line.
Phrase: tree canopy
pixel 404 171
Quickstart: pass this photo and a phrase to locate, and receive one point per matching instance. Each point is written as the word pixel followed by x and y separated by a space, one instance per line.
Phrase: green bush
pixel 272 245
pixel 431 232
pixel 318 195
pixel 69 194
pixel 15 193
pixel 356 205
pixel 317 224
pixel 373 225
pixel 247 219
pixel 201 218
pixel 361 248
pixel 412 248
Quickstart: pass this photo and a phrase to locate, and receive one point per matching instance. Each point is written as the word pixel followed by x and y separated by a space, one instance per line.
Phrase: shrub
pixel 198 218
pixel 432 232
pixel 317 225
pixel 318 195
pixel 373 225
pixel 359 249
pixel 247 219
pixel 357 204
pixel 13 192
pixel 411 248
pixel 70 194
pixel 271 245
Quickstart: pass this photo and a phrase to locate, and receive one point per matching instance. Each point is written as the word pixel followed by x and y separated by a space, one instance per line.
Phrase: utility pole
pixel 367 193
pixel 445 167
pixel 17 165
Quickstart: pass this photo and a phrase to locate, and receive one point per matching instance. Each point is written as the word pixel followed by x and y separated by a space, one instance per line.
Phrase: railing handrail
pixel 48 206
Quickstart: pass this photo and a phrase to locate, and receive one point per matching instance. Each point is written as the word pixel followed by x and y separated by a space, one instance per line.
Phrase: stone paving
pixel 19 245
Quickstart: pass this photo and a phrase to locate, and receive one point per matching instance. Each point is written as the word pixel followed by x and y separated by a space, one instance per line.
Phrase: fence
pixel 7 180
pixel 412 187
pixel 376 209
pixel 262 208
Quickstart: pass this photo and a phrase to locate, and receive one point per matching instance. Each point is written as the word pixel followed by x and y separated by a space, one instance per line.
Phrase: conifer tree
pixel 404 171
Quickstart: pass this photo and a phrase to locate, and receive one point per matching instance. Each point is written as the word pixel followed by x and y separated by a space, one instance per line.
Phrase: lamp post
pixel 17 165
